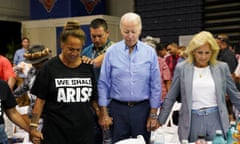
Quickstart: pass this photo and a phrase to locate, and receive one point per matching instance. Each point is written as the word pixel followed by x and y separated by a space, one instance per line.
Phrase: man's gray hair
pixel 131 16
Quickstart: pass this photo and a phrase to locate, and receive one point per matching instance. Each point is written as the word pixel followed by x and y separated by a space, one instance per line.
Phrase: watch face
pixel 153 116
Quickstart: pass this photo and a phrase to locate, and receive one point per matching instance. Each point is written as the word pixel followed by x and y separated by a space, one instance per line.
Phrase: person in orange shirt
pixel 6 72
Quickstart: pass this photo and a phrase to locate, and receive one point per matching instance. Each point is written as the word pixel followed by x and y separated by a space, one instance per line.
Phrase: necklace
pixel 200 72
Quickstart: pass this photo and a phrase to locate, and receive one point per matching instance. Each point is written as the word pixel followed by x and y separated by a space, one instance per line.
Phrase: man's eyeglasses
pixel 220 38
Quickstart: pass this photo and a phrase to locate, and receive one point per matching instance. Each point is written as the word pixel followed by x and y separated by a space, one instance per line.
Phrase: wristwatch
pixel 153 116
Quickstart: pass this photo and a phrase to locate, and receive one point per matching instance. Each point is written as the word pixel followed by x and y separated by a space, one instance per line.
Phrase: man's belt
pixel 130 103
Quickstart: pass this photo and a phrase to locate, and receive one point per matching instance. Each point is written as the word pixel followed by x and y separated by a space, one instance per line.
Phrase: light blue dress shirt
pixel 130 77
pixel 18 57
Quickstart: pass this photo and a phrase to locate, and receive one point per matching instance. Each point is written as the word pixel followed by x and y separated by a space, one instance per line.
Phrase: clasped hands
pixel 35 136
pixel 105 121
pixel 152 124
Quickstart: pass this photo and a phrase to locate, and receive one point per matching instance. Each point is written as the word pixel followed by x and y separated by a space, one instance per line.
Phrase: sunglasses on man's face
pixel 220 38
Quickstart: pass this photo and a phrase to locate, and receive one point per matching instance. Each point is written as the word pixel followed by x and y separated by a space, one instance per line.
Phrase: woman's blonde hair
pixel 200 39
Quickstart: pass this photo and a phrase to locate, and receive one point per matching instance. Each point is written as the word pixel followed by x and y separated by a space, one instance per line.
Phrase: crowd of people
pixel 120 86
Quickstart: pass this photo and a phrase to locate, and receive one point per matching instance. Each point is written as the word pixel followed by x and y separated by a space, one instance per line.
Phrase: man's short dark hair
pixel 26 38
pixel 161 46
pixel 173 43
pixel 99 22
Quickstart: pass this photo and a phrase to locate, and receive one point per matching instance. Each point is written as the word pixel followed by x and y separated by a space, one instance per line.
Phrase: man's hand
pixel 152 123
pixel 104 119
pixel 87 60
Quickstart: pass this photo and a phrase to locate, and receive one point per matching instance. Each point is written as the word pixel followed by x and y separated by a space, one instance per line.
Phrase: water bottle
pixel 218 139
pixel 107 138
pixel 230 133
pixel 237 127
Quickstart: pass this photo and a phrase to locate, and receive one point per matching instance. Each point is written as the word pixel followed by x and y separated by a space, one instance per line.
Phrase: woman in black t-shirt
pixel 65 88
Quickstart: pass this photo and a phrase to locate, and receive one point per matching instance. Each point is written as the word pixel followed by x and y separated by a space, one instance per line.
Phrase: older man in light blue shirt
pixel 130 77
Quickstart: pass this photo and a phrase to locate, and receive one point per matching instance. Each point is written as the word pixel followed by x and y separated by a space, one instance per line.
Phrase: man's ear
pixel 61 44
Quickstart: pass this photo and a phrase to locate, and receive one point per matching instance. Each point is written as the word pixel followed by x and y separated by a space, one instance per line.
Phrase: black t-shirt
pixel 226 55
pixel 7 99
pixel 67 91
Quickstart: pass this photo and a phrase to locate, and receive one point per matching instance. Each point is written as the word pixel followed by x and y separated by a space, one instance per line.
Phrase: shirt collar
pixel 101 48
pixel 136 47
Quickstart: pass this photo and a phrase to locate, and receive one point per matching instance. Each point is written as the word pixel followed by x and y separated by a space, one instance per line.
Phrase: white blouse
pixel 203 92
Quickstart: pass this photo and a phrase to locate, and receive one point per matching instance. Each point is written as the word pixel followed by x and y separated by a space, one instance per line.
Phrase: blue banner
pixel 45 9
